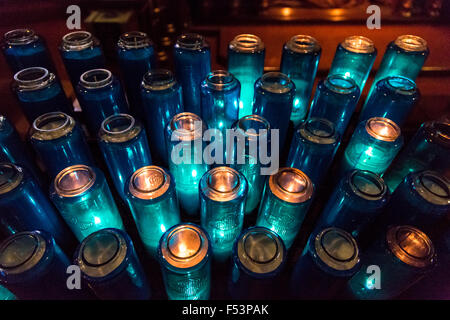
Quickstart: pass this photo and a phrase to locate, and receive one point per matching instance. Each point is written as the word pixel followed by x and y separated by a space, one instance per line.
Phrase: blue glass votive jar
pixel 354 59
pixel 373 146
pixel 80 52
pixel 33 267
pixel 184 140
pixel 313 147
pixel 223 191
pixel 403 254
pixel 101 96
pixel 429 148
pixel 335 99
pixel 299 61
pixel 23 48
pixel 136 57
pixel 246 54
pixel 123 142
pixel 84 200
pixel 110 266
pixel 192 58
pixel 259 257
pixel 25 207
pixel 330 258
pixel 184 254
pixel 393 98
pixel 39 92
pixel 286 200
pixel 274 95
pixel 152 199
pixel 59 142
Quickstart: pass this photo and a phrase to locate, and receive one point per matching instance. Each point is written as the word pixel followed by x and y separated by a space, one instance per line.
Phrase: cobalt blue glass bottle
pixel 393 98
pixel 335 99
pixel 254 130
pixel 223 191
pixel 80 52
pixel 286 200
pixel 330 258
pixel 192 59
pixel 136 57
pixel 23 49
pixel 299 61
pixel 39 92
pixel 354 59
pixel 59 142
pixel 274 94
pixel 258 257
pixel 313 147
pixel 162 100
pixel 220 100
pixel 184 254
pixel 373 146
pixel 25 207
pixel 403 57
pixel 124 145
pixel 246 54
pixel 152 199
pixel 429 148
pixel 101 96
pixel 110 266
pixel 33 267
pixel 355 203
pixel 403 254
pixel 184 140
pixel 84 200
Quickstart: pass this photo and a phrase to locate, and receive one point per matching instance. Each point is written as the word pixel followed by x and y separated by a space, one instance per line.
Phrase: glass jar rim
pixel 77 40
pixel 358 44
pixel 134 40
pixel 33 78
pixel 220 80
pixel 19 37
pixel 158 80
pixel 411 43
pixel 303 44
pixel 191 41
pixel 106 79
pixel 246 43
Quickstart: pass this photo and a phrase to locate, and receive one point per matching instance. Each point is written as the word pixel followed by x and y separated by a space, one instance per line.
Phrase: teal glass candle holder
pixel 192 58
pixel 429 148
pixel 354 59
pixel 184 140
pixel 5 294
pixel 393 98
pixel 335 100
pixel 404 255
pixel 184 254
pixel 152 199
pixel 246 54
pixel 299 61
pixel 162 100
pixel 313 147
pixel 373 146
pixel 59 142
pixel 223 191
pixel 286 200
pixel 274 94
pixel 84 200
pixel 123 142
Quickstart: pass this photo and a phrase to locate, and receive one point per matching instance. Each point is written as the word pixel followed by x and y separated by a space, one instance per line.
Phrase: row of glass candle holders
pixel 281 194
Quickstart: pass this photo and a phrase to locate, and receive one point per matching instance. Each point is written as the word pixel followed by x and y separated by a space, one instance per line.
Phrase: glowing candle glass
pixel 110 266
pixel 84 200
pixel 80 52
pixel 192 60
pixel 39 92
pixel 299 61
pixel 124 145
pixel 59 142
pixel 286 200
pixel 184 255
pixel 335 99
pixel 152 199
pixel 223 191
pixel 330 258
pixel 246 62
pixel 373 146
